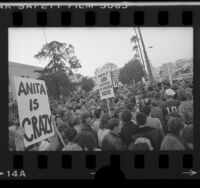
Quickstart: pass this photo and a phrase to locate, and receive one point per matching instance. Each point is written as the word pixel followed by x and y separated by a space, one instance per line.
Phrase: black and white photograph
pixel 100 89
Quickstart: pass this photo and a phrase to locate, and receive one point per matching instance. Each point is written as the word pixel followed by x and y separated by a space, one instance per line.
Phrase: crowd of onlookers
pixel 158 117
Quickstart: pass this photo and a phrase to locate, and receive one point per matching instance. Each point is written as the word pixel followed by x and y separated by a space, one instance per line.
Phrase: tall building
pixel 184 65
pixel 20 70
pixel 153 70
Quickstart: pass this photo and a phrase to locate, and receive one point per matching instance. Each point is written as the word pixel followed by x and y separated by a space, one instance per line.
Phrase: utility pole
pixel 141 56
pixel 146 58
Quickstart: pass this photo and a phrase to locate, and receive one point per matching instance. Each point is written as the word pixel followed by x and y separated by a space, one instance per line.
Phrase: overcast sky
pixel 96 46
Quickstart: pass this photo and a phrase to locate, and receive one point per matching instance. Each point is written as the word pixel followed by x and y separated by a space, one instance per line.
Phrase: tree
pixel 62 62
pixel 87 84
pixel 132 70
pixel 60 56
pixel 58 84
pixel 106 67
pixel 134 39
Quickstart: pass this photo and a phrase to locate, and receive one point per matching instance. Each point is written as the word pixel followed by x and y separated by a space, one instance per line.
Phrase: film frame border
pixel 83 165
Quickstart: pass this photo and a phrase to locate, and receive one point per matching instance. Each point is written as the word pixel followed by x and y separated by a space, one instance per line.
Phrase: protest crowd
pixel 156 118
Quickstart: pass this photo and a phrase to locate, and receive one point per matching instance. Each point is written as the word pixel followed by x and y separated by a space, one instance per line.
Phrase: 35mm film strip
pixel 91 42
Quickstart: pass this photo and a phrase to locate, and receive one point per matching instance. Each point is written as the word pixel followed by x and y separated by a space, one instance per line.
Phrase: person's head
pixel 76 121
pixel 189 95
pixel 175 87
pixel 182 95
pixel 62 126
pixel 174 125
pixel 115 125
pixel 117 112
pixel 141 118
pixel 126 116
pixel 86 140
pixel 167 85
pixel 147 101
pixel 146 110
pixel 116 100
pixel 97 113
pixel 150 88
pixel 69 134
pixel 58 120
pixel 104 121
pixel 65 116
pixel 169 94
pixel 132 100
pixel 156 98
pixel 130 106
pixel 187 134
pixel 78 112
pixel 86 118
pixel 61 113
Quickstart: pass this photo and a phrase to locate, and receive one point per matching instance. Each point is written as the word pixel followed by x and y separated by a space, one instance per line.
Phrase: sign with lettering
pixel 105 85
pixel 34 110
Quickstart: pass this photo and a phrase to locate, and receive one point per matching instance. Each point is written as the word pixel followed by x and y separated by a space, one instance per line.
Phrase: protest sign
pixel 34 110
pixel 115 78
pixel 105 85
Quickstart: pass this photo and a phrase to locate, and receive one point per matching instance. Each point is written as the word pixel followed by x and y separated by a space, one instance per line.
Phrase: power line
pixel 45 38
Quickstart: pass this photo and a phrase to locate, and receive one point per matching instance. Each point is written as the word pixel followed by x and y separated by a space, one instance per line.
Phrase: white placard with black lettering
pixel 34 110
pixel 115 79
pixel 105 85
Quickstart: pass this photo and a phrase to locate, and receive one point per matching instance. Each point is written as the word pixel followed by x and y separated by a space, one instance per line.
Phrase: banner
pixel 105 85
pixel 34 110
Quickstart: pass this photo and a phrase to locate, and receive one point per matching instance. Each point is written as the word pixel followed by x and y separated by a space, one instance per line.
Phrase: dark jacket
pixel 172 142
pixel 157 112
pixel 112 142
pixel 89 129
pixel 148 132
pixel 127 131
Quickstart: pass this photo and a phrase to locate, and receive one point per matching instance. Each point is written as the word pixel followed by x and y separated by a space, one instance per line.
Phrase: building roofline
pixel 24 65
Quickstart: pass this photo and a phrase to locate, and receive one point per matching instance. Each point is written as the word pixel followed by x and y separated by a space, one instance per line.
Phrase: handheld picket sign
pixel 105 85
pixel 34 110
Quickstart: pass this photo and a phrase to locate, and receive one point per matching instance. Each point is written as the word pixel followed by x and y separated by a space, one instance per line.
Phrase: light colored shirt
pixel 101 134
pixel 154 123
pixel 96 125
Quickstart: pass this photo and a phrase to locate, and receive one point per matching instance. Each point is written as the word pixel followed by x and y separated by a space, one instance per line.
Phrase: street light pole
pixel 146 58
